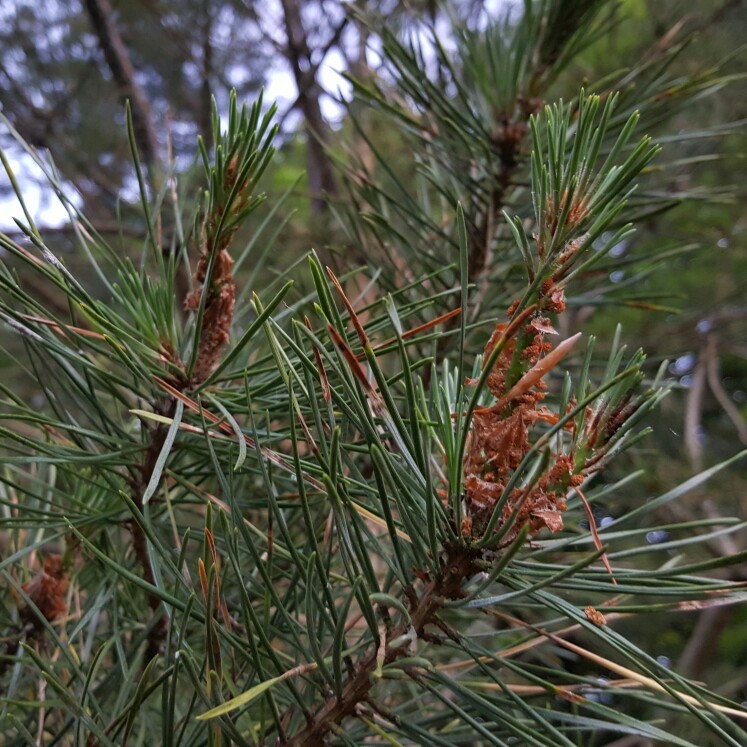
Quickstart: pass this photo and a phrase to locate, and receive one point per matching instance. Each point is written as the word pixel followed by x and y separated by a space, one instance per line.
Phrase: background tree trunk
pixel 299 54
pixel 118 59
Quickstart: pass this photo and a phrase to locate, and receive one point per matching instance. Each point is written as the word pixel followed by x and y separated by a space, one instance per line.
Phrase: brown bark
pixel 206 93
pixel 118 59
pixel 157 436
pixel 321 174
pixel 507 140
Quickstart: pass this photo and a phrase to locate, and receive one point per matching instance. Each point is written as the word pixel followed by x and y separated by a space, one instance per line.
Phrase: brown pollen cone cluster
pixel 500 434
pixel 218 314
pixel 221 294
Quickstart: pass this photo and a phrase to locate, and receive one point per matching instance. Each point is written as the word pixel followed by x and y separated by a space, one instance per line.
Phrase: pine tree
pixel 362 512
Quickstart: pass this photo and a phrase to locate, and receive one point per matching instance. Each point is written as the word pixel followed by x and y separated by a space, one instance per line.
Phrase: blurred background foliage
pixel 59 89
pixel 66 68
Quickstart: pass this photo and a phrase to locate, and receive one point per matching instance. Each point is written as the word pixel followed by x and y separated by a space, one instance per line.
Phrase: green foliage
pixel 304 519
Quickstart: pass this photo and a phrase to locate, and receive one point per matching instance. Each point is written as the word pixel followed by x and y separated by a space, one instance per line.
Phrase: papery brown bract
pixel 499 436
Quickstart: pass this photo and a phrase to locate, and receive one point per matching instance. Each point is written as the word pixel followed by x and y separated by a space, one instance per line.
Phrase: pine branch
pixel 156 436
pixel 458 566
